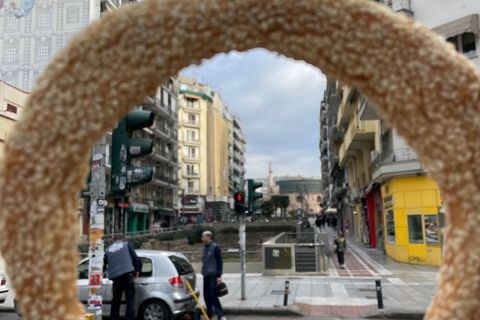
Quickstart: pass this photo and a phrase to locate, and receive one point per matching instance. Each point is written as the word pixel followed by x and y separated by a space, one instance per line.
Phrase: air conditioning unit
pixel 373 155
pixel 345 185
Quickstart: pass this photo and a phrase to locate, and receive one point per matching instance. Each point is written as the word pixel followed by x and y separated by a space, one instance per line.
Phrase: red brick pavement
pixel 343 311
pixel 353 265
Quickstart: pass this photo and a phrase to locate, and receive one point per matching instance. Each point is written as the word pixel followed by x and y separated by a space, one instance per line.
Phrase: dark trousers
pixel 124 283
pixel 210 296
pixel 341 257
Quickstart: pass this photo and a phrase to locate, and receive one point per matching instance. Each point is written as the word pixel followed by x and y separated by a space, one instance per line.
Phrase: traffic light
pixel 239 203
pixel 125 148
pixel 253 196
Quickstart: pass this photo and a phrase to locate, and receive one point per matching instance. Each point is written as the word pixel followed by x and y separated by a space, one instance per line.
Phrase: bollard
pixel 285 297
pixel 378 284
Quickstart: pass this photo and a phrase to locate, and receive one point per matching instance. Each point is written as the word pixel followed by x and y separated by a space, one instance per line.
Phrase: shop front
pixel 136 219
pixel 374 226
pixel 413 220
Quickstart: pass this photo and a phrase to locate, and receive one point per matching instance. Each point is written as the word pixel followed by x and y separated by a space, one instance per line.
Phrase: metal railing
pixel 398 155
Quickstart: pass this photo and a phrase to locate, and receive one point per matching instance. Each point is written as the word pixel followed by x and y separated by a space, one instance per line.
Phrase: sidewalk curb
pixel 399 314
pixel 277 311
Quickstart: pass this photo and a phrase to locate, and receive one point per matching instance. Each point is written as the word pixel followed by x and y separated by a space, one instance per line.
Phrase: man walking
pixel 123 267
pixel 212 269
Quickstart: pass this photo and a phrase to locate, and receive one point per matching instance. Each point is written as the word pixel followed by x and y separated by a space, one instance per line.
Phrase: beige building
pixel 13 102
pixel 194 100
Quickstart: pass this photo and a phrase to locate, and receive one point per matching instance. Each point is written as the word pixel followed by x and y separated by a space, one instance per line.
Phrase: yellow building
pixel 413 220
pixel 360 138
pixel 219 141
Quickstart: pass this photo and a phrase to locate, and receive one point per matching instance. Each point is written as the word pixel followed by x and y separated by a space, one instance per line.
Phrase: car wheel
pixel 154 310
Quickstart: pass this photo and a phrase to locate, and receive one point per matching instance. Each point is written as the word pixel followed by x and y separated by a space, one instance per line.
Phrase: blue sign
pixel 299 211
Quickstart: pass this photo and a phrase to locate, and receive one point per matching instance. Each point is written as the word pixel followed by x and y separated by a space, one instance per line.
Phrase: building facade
pixel 29 39
pixel 386 200
pixel 305 195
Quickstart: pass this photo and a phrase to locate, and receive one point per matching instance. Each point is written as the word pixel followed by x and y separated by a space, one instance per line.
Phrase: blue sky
pixel 278 102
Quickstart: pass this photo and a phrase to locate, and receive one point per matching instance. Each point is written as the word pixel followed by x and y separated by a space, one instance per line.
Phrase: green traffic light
pixel 253 196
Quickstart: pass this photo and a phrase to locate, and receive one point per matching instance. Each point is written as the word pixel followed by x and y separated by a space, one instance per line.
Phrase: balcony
pixel 346 109
pixel 399 163
pixel 191 140
pixel 237 169
pixel 404 6
pixel 161 131
pixel 192 191
pixel 160 180
pixel 368 111
pixel 154 104
pixel 191 174
pixel 192 123
pixel 358 132
pixel 192 109
pixel 239 146
pixel 174 136
pixel 239 157
pixel 191 158
pixel 161 155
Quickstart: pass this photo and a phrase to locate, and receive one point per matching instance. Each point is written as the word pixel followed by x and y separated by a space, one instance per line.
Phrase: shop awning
pixel 331 210
pixel 138 208
pixel 466 24
pixel 192 96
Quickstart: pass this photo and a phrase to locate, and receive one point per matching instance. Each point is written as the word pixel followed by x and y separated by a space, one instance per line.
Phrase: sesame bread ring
pixel 420 84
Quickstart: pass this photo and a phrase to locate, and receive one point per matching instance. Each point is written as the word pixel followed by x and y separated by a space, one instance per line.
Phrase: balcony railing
pixel 192 122
pixel 398 155
pixel 190 173
pixel 404 6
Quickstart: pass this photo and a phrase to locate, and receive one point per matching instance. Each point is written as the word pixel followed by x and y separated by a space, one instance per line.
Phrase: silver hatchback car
pixel 161 290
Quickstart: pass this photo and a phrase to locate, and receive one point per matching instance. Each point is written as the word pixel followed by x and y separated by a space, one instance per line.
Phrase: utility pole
pixel 243 264
pixel 97 229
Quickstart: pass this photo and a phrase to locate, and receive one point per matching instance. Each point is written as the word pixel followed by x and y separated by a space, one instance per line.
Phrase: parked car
pixel 161 290
pixel 3 287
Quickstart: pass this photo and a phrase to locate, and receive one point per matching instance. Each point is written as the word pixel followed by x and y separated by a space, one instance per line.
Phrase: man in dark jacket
pixel 212 269
pixel 123 267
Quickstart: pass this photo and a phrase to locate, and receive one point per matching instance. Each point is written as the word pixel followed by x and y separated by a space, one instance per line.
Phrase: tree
pixel 284 203
pixel 276 202
pixel 268 209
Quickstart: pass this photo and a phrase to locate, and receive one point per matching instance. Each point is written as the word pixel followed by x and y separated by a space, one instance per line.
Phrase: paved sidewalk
pixel 351 292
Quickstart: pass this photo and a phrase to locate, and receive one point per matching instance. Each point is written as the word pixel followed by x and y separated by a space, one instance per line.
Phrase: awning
pixel 138 207
pixel 331 210
pixel 192 96
pixel 466 24
pixel 190 212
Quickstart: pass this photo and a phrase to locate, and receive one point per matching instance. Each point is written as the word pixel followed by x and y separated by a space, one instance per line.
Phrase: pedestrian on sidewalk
pixel 123 268
pixel 212 269
pixel 341 243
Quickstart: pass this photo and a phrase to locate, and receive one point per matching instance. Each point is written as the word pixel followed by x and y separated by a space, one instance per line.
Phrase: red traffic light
pixel 239 197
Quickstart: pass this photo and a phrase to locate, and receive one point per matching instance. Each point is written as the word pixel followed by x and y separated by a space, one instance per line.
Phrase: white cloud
pixel 278 102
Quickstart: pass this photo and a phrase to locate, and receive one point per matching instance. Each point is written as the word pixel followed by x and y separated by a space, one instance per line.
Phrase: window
pixel 190 102
pixel 389 218
pixel 189 168
pixel 165 98
pixel 10 53
pixel 431 229
pixel 11 24
pixel 465 43
pixel 11 108
pixel 42 49
pixel 44 14
pixel 192 152
pixel 146 267
pixel 83 270
pixel 415 229
pixel 191 186
pixel 73 15
pixel 192 119
pixel 182 265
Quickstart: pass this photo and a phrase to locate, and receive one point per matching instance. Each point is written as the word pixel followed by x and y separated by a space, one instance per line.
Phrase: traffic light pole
pixel 97 229
pixel 242 236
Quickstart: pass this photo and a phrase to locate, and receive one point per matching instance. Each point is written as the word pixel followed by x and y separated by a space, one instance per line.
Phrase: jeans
pixel 210 296
pixel 124 283
pixel 341 257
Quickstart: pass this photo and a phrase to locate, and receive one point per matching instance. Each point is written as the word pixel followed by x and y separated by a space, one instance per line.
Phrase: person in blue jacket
pixel 212 270
pixel 123 268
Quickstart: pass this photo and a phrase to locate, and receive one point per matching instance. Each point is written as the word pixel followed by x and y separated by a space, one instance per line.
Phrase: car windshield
pixel 182 265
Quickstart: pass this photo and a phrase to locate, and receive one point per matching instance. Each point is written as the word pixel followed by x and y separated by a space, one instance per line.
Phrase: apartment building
pixel 194 99
pixel 386 200
pixel 12 105
pixel 239 152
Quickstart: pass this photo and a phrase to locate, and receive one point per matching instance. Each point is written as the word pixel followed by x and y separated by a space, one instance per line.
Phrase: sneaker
pixel 222 318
